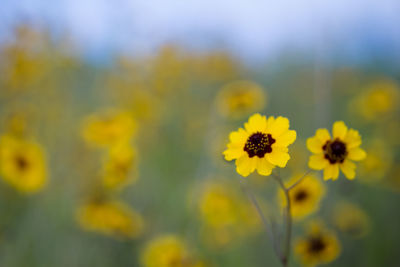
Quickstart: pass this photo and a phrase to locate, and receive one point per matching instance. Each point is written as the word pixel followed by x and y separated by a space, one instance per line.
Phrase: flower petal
pixel 264 167
pixel 245 165
pixel 233 153
pixel 278 127
pixel 317 162
pixel 256 123
pixel 286 139
pixel 314 144
pixel 278 156
pixel 348 169
pixel 352 139
pixel 239 136
pixel 357 154
pixel 331 171
pixel 323 135
pixel 339 130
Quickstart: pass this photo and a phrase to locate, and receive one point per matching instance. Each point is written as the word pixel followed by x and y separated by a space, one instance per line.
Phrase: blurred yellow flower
pixel 225 216
pixel 167 70
pixel 377 163
pixel 119 166
pixel 305 197
pixel 339 151
pixel 111 218
pixel 261 145
pixel 108 127
pixel 318 246
pixel 22 164
pixel 217 66
pixel 168 251
pixel 351 219
pixel 218 205
pixel 25 60
pixel 240 98
pixel 145 106
pixel 379 99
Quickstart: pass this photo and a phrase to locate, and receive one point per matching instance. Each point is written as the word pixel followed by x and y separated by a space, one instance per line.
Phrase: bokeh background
pixel 114 116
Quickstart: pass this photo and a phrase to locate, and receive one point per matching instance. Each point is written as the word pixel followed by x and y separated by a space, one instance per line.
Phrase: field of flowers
pixel 184 158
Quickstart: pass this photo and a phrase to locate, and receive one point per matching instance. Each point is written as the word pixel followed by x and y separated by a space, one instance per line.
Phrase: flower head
pixel 240 98
pixel 351 219
pixel 108 128
pixel 22 164
pixel 225 216
pixel 168 251
pixel 330 154
pixel 119 168
pixel 261 145
pixel 111 218
pixel 379 99
pixel 318 246
pixel 304 197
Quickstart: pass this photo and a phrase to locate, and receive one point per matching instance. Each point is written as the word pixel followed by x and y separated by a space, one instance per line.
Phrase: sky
pixel 250 28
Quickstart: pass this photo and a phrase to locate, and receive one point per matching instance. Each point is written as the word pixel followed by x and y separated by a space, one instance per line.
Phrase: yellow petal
pixel 245 165
pixel 278 127
pixel 256 123
pixel 239 136
pixel 357 154
pixel 314 144
pixel 348 169
pixel 270 120
pixel 323 135
pixel 264 167
pixel 352 139
pixel 339 130
pixel 286 139
pixel 233 153
pixel 278 156
pixel 331 171
pixel 317 162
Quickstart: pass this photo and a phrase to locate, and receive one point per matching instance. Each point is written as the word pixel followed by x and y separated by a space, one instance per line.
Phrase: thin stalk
pixel 264 220
pixel 288 219
pixel 299 180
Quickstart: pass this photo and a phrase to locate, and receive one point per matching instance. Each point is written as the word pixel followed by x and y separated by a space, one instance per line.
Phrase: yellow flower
pixel 225 215
pixel 377 163
pixel 217 205
pixel 317 247
pixel 108 128
pixel 167 251
pixel 240 98
pixel 304 197
pixel 21 58
pixel 216 66
pixel 379 99
pixel 111 218
pixel 22 164
pixel 339 151
pixel 351 220
pixel 117 169
pixel 261 145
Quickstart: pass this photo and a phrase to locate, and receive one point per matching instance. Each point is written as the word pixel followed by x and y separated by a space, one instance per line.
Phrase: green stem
pixel 264 220
pixel 288 219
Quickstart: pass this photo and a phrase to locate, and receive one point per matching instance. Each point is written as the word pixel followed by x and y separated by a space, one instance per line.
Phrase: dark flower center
pixel 258 144
pixel 300 195
pixel 21 162
pixel 335 151
pixel 316 244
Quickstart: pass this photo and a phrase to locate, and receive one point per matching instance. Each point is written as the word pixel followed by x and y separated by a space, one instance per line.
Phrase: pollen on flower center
pixel 258 144
pixel 316 244
pixel 335 151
